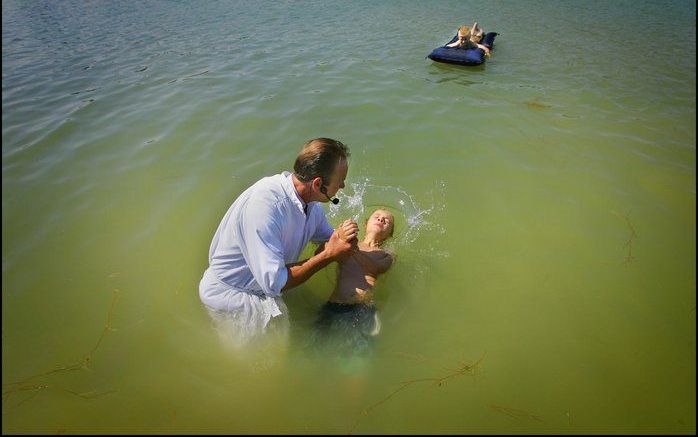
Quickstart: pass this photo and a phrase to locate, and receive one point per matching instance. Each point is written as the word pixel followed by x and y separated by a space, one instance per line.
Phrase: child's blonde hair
pixel 476 33
pixel 463 30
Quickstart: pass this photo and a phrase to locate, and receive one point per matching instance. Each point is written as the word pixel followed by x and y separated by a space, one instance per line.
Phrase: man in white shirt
pixel 254 253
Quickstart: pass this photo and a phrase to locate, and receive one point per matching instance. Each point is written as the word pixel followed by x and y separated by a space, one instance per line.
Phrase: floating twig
pixel 439 381
pixel 23 385
pixel 515 412
pixel 628 244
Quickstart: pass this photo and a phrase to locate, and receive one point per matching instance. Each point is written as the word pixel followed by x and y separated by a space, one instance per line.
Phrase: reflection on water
pixel 445 73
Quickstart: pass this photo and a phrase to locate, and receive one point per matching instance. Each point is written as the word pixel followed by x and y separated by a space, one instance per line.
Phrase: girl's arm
pixel 484 47
pixel 455 43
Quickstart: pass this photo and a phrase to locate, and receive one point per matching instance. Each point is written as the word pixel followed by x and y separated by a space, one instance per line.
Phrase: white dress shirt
pixel 266 228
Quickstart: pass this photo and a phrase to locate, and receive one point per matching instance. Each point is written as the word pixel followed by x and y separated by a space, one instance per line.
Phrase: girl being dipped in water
pixel 349 321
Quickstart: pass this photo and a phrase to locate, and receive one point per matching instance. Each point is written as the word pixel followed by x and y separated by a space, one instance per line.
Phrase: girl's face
pixel 381 223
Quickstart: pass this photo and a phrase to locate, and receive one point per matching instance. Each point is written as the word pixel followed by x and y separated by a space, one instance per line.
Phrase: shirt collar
pixel 291 191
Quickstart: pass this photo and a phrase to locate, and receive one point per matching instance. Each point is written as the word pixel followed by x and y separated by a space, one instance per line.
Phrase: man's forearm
pixel 301 271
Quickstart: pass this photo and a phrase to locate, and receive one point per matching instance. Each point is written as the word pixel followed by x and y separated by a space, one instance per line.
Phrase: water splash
pixel 411 219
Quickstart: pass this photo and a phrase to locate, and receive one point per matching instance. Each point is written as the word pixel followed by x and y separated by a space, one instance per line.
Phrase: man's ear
pixel 317 183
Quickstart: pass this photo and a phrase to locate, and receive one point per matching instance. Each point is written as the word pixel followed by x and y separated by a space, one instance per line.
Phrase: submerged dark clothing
pixel 348 329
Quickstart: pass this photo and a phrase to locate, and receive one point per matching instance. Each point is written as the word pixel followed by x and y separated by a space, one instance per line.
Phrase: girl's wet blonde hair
pixel 463 30
pixel 476 35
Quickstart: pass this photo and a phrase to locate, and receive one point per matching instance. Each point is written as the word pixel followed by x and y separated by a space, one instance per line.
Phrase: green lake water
pixel 545 206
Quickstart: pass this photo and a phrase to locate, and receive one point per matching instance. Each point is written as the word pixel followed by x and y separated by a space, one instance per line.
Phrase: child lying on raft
pixel 470 38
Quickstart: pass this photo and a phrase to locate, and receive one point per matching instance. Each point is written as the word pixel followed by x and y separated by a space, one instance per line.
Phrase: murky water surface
pixel 545 206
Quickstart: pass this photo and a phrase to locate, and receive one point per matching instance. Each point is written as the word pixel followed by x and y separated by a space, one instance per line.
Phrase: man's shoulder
pixel 268 190
pixel 270 198
pixel 269 183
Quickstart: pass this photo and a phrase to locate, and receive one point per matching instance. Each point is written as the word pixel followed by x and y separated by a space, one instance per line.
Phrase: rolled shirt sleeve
pixel 260 239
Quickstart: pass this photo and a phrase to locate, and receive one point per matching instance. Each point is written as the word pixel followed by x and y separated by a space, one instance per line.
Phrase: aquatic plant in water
pixel 27 386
